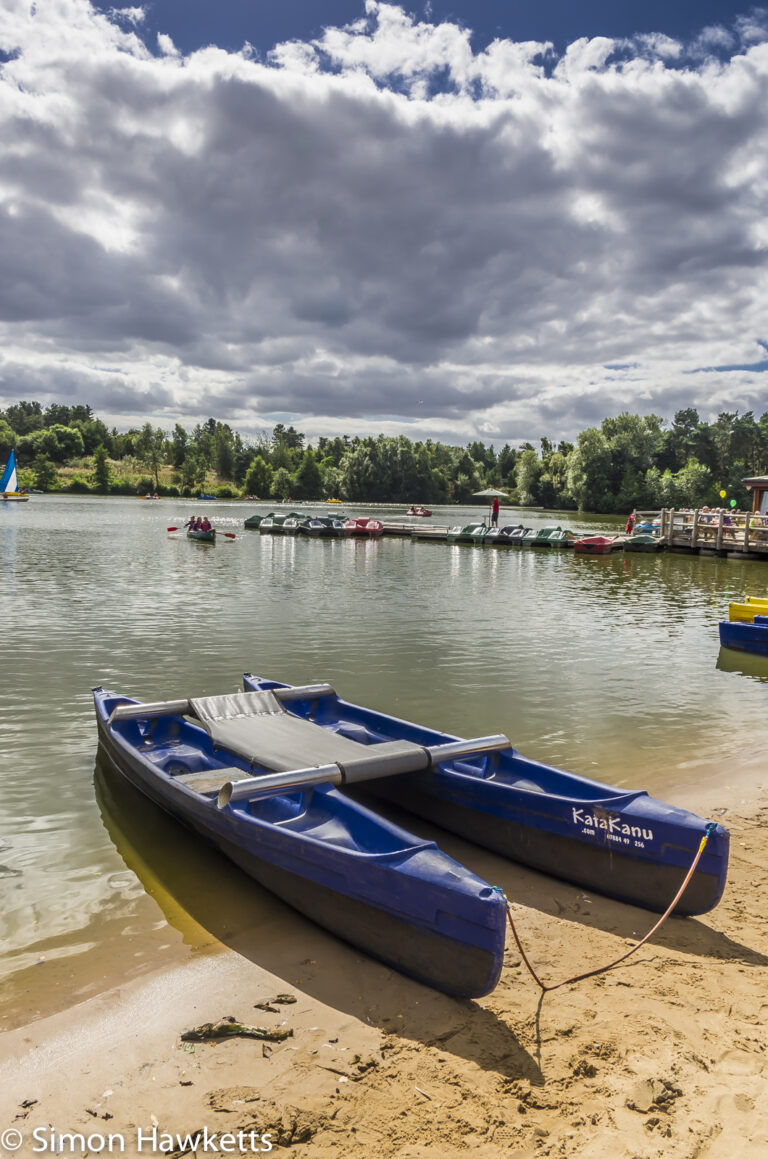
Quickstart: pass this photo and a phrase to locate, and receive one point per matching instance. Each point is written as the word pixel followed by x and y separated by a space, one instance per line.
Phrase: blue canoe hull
pixel 745 637
pixel 364 879
pixel 625 845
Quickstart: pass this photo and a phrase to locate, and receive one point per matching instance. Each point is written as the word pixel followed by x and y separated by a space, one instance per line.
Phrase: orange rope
pixel 602 969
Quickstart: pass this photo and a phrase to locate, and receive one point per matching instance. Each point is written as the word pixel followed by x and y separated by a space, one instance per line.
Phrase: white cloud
pixel 129 15
pixel 166 45
pixel 380 223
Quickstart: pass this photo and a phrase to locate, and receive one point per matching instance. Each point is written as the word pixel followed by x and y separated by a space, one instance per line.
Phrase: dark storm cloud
pixel 340 238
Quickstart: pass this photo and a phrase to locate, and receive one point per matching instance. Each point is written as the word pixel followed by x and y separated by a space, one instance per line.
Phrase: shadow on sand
pixel 561 899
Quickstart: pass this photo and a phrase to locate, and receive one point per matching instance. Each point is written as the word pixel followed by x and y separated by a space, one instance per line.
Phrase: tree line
pixel 628 461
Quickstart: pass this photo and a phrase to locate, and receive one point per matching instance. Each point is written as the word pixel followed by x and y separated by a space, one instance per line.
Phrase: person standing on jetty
pixel 630 524
pixel 495 512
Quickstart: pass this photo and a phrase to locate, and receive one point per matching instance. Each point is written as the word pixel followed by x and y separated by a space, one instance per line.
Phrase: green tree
pixel 288 436
pixel 632 442
pixel 80 413
pixel 721 435
pixel 179 444
pixel 57 415
pixel 361 472
pixel 101 477
pixel 94 433
pixel 46 475
pixel 122 445
pixel 282 484
pixel 70 443
pixel 202 441
pixel 150 448
pixel 308 482
pixel 24 417
pixel 552 481
pixel 528 472
pixel 650 491
pixel 7 439
pixel 484 456
pixel 243 455
pixel 466 479
pixel 333 449
pixel 258 478
pixel 589 472
pixel 747 443
pixel 57 443
pixel 693 484
pixel 224 451
pixel 193 470
pixel 463 487
pixel 506 465
pixel 333 479
pixel 685 424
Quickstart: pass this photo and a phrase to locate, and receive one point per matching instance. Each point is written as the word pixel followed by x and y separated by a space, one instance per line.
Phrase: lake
pixel 607 666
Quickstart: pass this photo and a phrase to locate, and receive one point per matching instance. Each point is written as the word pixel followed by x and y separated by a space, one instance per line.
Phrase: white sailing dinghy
pixel 9 484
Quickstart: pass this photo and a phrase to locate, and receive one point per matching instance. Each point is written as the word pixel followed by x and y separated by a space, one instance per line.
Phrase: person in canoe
pixel 191 523
pixel 205 524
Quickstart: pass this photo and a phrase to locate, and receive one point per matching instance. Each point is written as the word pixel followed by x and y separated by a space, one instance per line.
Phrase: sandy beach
pixel 665 1055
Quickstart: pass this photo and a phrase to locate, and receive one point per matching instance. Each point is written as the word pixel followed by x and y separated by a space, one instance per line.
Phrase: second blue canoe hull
pixel 625 845
pixel 528 836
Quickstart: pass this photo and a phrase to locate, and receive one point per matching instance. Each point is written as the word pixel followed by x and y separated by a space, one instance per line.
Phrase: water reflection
pixel 743 663
pixel 198 890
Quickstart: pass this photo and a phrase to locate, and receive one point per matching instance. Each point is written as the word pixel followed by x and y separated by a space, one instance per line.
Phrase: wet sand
pixel 664 1056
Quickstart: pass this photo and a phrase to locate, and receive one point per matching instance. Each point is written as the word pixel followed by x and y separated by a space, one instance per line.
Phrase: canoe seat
pixel 256 727
pixel 211 780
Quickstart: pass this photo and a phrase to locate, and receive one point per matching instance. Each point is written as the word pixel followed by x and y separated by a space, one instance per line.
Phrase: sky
pixel 458 221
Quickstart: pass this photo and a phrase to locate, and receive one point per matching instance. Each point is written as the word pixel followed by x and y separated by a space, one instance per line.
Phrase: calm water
pixel 607 666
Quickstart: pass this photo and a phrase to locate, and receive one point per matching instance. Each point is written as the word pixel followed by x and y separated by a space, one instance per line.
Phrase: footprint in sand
pixel 738 1062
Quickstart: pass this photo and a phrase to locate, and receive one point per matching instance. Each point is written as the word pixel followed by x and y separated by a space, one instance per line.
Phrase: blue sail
pixel 8 481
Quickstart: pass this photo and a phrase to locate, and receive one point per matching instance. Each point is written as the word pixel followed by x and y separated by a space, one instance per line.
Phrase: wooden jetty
pixel 728 534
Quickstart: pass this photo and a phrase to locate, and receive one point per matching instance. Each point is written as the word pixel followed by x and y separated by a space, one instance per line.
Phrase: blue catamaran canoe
pixel 385 891
pixel 626 845
pixel 745 637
